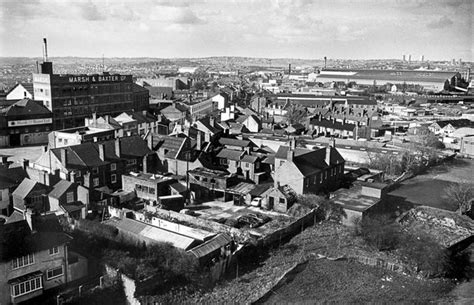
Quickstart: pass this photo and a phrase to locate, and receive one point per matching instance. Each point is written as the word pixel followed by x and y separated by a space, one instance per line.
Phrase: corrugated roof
pixel 151 233
pixel 214 244
pixel 242 188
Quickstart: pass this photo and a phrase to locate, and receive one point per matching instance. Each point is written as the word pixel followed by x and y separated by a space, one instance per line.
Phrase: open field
pixel 344 282
pixel 429 189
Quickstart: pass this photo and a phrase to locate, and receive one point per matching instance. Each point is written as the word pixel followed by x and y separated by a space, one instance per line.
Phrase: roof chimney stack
pixel 101 152
pixel 63 157
pixel 328 151
pixel 117 147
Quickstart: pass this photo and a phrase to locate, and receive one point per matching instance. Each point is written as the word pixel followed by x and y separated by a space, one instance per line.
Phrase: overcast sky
pixel 357 29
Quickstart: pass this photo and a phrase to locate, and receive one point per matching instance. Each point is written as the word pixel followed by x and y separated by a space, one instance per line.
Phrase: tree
pixel 295 114
pixel 379 232
pixel 462 194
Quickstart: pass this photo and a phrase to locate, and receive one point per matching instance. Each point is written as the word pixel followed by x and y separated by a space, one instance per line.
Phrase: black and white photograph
pixel 236 152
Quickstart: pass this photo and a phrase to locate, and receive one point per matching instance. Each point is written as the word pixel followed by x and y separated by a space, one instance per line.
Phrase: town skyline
pixel 267 29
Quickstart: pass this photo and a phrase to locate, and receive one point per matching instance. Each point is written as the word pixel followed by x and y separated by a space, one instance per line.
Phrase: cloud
pixel 442 22
pixel 90 11
pixel 175 15
pixel 20 8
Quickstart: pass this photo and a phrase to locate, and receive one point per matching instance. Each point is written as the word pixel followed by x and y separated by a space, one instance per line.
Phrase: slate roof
pixel 308 161
pixel 159 92
pixel 234 142
pixel 207 123
pixel 230 154
pixel 10 177
pixel 60 188
pixel 456 123
pixel 87 154
pixel 330 124
pixel 25 187
pixel 143 118
pixel 249 159
pixel 25 107
pixel 170 143
pixel 17 239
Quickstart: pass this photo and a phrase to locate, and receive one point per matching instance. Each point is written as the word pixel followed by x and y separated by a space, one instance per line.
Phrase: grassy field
pixel 343 282
pixel 429 189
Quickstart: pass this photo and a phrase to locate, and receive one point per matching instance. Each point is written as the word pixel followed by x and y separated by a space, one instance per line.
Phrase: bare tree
pixel 462 194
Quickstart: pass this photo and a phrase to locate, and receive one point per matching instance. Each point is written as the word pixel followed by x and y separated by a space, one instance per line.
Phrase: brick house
pixel 308 171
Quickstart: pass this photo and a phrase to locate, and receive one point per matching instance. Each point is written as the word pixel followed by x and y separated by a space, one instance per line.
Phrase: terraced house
pixel 98 164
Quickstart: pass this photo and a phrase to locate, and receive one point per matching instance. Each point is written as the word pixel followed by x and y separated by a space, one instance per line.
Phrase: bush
pixel 426 254
pixel 379 232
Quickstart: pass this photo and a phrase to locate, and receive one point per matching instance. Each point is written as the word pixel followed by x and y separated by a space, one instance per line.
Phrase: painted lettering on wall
pixel 97 78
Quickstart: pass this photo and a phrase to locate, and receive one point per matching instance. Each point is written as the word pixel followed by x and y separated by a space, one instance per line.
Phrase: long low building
pixel 151 234
pixel 429 79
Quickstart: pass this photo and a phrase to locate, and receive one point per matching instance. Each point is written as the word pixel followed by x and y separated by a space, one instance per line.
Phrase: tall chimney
pixel 289 69
pixel 117 147
pixel 325 61
pixel 145 164
pixel 45 49
pixel 101 152
pixel 94 119
pixel 63 157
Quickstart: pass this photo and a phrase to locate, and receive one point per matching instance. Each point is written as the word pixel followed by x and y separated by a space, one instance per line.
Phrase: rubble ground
pixel 321 280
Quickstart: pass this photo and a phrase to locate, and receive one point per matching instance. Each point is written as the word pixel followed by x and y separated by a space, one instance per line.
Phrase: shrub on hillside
pixel 379 232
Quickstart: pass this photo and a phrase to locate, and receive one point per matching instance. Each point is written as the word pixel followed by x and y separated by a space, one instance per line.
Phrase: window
pixel 282 200
pixel 53 273
pixel 151 190
pixel 23 261
pixel 113 166
pixel 36 199
pixel 95 181
pixel 69 197
pixel 53 250
pixel 131 162
pixel 113 178
pixel 78 174
pixel 26 287
pixel 95 170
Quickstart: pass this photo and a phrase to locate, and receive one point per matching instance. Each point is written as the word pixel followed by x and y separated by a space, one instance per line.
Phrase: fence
pixel 80 288
pixel 291 230
pixel 380 263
